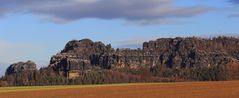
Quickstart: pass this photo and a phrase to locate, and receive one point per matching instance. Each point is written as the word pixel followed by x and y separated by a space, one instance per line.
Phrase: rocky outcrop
pixel 76 56
pixel 21 67
pixel 194 52
pixel 85 55
pixel 166 59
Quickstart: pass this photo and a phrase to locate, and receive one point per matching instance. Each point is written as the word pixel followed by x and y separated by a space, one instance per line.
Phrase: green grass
pixel 33 88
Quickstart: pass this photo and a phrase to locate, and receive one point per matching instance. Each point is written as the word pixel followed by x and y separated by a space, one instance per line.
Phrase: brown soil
pixel 226 89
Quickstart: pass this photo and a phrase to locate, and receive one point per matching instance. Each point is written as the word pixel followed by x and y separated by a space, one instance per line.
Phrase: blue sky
pixel 37 29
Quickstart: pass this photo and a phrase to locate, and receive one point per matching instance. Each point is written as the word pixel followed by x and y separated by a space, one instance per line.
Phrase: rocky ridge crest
pixel 84 55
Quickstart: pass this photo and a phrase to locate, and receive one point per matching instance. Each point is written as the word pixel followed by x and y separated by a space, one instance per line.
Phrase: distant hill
pixel 162 60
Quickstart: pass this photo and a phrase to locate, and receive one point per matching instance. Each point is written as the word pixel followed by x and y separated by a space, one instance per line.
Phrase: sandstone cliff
pixel 85 55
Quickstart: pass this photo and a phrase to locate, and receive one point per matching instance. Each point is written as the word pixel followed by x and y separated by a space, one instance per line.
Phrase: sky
pixel 37 29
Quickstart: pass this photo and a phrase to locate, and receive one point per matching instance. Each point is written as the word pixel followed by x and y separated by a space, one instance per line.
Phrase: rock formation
pixel 162 60
pixel 21 67
pixel 85 55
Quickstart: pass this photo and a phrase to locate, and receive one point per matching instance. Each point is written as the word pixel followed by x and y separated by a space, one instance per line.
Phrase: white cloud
pixel 130 10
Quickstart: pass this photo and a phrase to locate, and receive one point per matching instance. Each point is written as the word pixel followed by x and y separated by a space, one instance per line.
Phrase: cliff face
pixel 85 55
pixel 194 52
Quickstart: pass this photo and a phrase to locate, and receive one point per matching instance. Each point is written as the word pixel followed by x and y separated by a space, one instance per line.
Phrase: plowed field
pixel 225 89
